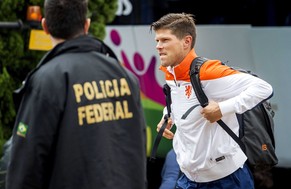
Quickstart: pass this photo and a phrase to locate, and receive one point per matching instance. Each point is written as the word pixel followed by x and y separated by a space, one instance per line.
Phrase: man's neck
pixel 56 41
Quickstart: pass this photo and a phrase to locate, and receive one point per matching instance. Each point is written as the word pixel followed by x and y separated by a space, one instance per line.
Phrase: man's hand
pixel 211 112
pixel 167 133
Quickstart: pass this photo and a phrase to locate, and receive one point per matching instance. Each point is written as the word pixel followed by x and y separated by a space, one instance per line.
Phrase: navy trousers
pixel 240 179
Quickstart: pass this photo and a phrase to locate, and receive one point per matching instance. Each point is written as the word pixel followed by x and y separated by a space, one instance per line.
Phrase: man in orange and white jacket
pixel 208 157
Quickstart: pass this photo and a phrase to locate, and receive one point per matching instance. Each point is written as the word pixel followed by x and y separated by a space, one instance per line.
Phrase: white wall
pixel 272 57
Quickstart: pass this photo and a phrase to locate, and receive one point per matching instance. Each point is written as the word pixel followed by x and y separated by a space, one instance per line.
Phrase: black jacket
pixel 80 123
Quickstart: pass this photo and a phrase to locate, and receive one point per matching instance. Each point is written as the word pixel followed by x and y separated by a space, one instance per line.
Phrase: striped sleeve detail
pixel 213 69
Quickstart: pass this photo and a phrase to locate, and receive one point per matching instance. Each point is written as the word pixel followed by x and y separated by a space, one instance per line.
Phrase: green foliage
pixel 9 8
pixel 7 112
pixel 16 60
pixel 101 12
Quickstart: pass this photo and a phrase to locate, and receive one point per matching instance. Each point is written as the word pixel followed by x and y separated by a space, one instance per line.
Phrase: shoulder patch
pixel 22 129
pixel 213 69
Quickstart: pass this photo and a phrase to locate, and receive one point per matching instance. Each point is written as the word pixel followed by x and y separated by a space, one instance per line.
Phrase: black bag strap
pixel 167 92
pixel 202 98
pixel 195 80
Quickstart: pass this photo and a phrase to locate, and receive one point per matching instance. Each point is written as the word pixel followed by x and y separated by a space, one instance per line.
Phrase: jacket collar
pixel 84 43
pixel 181 71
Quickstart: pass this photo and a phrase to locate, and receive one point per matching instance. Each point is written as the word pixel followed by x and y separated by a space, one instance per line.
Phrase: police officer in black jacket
pixel 80 123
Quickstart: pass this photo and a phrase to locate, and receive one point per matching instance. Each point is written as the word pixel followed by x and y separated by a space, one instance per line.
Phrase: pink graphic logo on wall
pixel 148 82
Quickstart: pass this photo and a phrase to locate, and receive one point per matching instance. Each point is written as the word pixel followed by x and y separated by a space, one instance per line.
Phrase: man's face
pixel 171 49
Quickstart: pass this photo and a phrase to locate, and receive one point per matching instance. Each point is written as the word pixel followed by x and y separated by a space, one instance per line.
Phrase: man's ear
pixel 44 26
pixel 87 25
pixel 187 41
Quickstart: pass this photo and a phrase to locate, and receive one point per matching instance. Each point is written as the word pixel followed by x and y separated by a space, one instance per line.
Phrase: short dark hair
pixel 65 18
pixel 180 24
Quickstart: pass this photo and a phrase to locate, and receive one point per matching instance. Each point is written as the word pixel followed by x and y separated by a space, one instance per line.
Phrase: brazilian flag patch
pixel 22 129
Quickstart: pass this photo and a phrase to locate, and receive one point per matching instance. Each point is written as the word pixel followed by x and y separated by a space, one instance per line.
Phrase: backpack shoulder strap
pixel 202 98
pixel 195 80
pixel 167 92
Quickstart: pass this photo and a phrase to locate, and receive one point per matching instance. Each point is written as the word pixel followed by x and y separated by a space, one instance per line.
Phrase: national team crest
pixel 188 91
